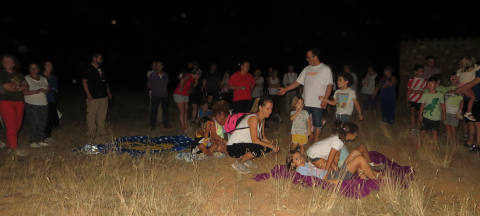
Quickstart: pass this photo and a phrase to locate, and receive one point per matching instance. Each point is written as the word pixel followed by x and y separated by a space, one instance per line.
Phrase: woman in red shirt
pixel 181 94
pixel 242 84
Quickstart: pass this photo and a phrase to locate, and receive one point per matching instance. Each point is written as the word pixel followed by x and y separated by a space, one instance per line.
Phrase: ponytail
pixel 344 128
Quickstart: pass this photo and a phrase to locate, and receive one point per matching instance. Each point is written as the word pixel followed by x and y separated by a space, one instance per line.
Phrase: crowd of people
pixel 232 110
pixel 33 95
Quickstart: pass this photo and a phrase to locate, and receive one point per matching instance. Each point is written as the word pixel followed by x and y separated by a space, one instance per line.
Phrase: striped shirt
pixel 416 83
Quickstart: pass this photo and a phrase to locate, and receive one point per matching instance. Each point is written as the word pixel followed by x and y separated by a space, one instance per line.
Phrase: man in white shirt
pixel 318 82
pixel 289 78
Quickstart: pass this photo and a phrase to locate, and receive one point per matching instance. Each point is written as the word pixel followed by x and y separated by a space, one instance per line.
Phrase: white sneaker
pixel 48 139
pixel 20 153
pixel 240 168
pixel 469 116
pixel 42 143
pixel 35 145
pixel 250 164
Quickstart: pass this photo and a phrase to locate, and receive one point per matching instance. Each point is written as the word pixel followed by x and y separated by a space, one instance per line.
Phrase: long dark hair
pixel 343 128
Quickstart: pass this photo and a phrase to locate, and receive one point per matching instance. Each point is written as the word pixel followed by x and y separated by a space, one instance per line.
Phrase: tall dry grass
pixel 58 181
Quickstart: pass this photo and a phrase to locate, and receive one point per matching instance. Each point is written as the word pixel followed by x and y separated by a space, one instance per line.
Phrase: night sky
pixel 265 32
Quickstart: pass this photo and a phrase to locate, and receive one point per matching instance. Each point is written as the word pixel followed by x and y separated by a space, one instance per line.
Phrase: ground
pixel 57 181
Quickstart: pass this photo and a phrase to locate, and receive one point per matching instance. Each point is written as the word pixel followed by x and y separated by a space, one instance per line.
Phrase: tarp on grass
pixel 355 188
pixel 139 145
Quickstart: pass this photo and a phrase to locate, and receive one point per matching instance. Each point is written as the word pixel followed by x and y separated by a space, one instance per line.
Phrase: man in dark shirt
pixel 157 83
pixel 96 88
pixel 213 83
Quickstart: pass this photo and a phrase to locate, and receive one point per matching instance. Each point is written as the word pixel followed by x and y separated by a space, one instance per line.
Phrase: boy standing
pixel 432 108
pixel 453 104
pixel 345 99
pixel 415 89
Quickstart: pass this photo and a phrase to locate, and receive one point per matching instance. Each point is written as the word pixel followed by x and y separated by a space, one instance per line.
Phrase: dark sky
pixel 265 32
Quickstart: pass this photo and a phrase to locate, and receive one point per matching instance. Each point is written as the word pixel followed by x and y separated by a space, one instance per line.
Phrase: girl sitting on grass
pixel 330 154
pixel 301 125
pixel 211 136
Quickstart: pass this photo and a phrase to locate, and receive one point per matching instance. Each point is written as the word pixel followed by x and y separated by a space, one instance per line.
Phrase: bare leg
pixel 413 118
pixel 302 149
pixel 180 108
pixel 360 164
pixel 435 136
pixel 317 134
pixel 364 152
pixel 477 126
pixel 194 112
pixel 469 93
pixel 471 133
pixel 185 114
pixel 246 157
pixel 449 131
pixel 321 163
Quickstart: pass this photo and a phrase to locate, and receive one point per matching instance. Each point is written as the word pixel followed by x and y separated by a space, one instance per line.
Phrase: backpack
pixel 232 122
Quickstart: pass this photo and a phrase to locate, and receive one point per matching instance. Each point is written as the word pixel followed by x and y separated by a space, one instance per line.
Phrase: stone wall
pixel 446 51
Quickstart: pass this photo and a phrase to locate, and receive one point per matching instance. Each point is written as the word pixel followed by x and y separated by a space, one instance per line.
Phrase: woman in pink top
pixel 181 94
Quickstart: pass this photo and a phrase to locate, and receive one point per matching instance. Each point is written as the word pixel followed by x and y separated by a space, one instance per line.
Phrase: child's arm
pixel 330 164
pixel 213 134
pixel 294 116
pixel 444 113
pixel 421 112
pixel 359 109
pixel 309 126
pixel 330 102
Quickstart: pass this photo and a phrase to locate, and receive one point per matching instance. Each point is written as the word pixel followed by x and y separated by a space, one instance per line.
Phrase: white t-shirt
pixel 368 86
pixel 322 148
pixel 315 80
pixel 355 82
pixel 273 91
pixel 344 98
pixel 33 85
pixel 242 133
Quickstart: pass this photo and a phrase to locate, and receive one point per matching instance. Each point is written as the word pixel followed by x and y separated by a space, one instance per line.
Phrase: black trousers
pixel 52 121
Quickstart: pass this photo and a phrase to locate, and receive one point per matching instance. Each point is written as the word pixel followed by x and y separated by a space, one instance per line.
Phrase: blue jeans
pixel 156 101
pixel 368 102
pixel 36 119
pixel 317 114
pixel 388 104
pixel 343 117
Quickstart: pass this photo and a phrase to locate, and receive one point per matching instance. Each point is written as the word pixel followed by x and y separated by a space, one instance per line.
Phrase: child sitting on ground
pixel 330 153
pixel 301 124
pixel 344 98
pixel 453 105
pixel 432 108
pixel 204 111
pixel 211 137
pixel 466 74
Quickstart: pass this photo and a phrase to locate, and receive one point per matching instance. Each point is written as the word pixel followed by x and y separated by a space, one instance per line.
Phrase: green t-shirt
pixel 444 89
pixel 452 101
pixel 16 78
pixel 433 105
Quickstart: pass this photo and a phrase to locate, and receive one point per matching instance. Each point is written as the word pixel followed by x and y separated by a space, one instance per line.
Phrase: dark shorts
pixel 239 149
pixel 317 114
pixel 428 124
pixel 414 105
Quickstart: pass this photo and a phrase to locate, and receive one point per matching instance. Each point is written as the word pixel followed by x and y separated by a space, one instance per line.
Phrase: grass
pixel 57 181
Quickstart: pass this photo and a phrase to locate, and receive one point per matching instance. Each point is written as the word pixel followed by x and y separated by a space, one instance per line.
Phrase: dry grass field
pixel 57 181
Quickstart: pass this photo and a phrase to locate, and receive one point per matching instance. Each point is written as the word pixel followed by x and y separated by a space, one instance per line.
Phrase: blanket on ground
pixel 355 188
pixel 139 145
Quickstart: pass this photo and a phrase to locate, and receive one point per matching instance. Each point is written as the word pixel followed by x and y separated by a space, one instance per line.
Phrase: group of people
pixel 330 156
pixel 33 95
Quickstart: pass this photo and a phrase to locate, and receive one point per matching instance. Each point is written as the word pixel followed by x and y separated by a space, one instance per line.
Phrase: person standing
pixel 259 83
pixel 157 83
pixel 242 84
pixel 97 91
pixel 181 96
pixel 369 104
pixel 288 79
pixel 318 83
pixel 213 80
pixel 36 106
pixel 53 120
pixel 348 69
pixel 386 87
pixel 430 69
pixel 12 102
